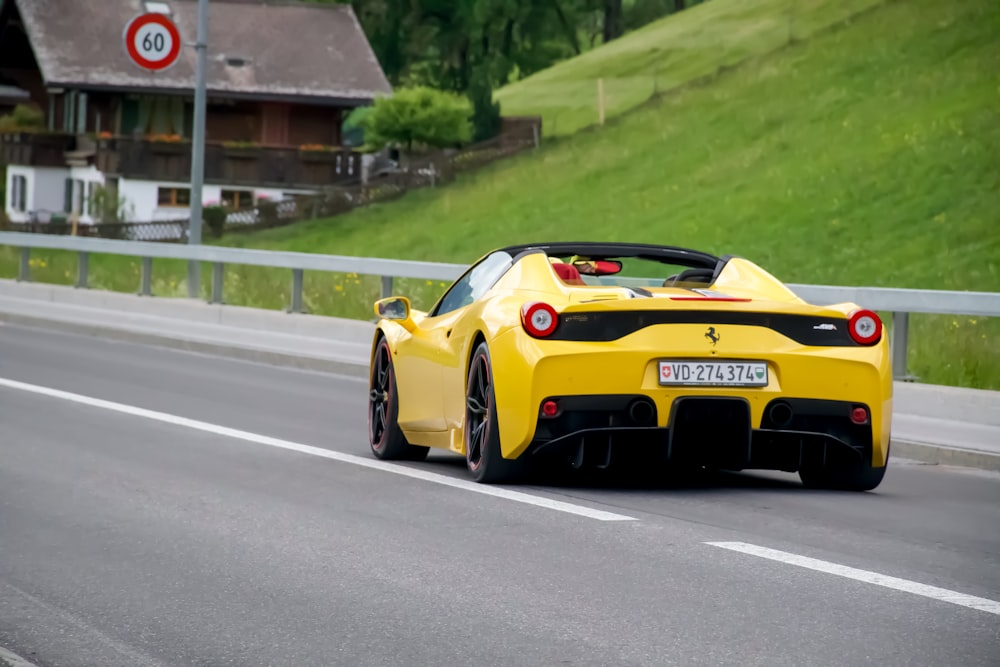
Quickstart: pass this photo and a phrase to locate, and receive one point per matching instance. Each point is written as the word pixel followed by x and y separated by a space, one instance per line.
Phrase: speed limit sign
pixel 152 41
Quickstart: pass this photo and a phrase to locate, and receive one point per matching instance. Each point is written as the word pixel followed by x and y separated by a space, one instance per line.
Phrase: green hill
pixel 667 54
pixel 866 155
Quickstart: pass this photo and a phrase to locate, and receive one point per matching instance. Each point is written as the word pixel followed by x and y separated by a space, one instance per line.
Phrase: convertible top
pixel 599 250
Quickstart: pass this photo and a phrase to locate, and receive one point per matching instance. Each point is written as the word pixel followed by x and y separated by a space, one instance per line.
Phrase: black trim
pixel 595 250
pixel 714 431
pixel 788 451
pixel 603 326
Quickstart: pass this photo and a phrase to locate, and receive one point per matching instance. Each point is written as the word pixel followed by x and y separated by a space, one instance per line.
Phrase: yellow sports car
pixel 571 353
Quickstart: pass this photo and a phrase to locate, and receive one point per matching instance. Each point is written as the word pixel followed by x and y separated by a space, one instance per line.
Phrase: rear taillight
pixel 539 319
pixel 865 327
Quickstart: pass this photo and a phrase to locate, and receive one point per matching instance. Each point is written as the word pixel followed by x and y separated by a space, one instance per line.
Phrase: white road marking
pixel 933 592
pixel 14 659
pixel 79 629
pixel 376 464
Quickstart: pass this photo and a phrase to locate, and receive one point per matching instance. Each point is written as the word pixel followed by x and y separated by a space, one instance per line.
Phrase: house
pixel 280 79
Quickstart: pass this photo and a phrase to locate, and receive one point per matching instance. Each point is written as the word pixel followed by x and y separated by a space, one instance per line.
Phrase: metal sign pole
pixel 198 150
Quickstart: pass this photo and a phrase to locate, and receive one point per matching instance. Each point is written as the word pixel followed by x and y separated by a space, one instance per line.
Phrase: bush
pixel 214 218
pixel 22 118
pixel 418 116
pixel 105 205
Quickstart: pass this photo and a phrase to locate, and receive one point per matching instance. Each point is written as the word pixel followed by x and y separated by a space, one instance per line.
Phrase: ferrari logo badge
pixel 712 336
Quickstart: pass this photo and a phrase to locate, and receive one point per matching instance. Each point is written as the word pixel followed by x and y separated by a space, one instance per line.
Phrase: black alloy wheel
pixel 482 432
pixel 384 435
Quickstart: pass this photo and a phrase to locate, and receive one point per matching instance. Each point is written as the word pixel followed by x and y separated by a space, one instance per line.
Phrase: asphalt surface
pixel 130 540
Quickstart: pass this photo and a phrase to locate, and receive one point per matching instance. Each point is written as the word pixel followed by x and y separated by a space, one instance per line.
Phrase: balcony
pixel 35 149
pixel 262 166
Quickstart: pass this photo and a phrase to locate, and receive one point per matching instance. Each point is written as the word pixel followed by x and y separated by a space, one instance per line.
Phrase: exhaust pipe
pixel 780 414
pixel 641 411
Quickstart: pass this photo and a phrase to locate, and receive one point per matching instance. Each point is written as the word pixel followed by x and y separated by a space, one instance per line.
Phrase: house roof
pixel 11 93
pixel 289 50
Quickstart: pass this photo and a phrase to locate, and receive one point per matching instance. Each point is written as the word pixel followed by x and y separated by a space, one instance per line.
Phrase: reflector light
pixel 549 408
pixel 539 319
pixel 859 415
pixel 865 327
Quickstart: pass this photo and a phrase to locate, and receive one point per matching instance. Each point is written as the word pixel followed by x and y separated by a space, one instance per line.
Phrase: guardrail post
pixel 83 266
pixel 386 286
pixel 24 270
pixel 900 334
pixel 296 291
pixel 218 272
pixel 146 287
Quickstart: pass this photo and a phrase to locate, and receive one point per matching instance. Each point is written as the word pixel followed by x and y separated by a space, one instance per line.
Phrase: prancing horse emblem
pixel 712 336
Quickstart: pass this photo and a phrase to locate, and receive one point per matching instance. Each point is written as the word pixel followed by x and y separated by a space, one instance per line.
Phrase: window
pixel 75 112
pixel 156 114
pixel 474 283
pixel 73 196
pixel 237 199
pixel 173 196
pixel 18 192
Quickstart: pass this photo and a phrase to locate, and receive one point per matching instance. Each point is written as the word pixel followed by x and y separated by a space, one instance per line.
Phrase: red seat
pixel 568 274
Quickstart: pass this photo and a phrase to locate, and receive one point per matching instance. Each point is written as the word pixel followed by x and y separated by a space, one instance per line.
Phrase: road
pixel 173 508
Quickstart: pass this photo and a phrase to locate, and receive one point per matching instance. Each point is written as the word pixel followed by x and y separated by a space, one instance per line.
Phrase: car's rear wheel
pixel 861 476
pixel 482 433
pixel 384 435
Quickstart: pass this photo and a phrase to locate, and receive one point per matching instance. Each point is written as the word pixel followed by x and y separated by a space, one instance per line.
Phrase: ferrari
pixel 598 355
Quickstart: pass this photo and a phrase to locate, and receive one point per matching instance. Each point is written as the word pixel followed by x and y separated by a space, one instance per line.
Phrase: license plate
pixel 717 373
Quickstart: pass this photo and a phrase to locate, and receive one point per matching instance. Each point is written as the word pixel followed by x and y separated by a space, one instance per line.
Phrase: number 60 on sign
pixel 152 41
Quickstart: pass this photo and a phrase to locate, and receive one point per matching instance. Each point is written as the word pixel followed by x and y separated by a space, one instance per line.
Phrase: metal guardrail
pixel 899 302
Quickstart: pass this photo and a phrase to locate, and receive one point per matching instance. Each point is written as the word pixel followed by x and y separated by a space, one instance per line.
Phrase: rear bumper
pixel 713 432
pixel 814 380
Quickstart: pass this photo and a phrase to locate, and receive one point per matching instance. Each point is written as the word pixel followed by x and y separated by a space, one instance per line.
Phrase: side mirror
pixel 393 308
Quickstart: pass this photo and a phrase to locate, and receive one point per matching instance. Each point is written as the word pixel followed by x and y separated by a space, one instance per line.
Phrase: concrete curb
pixel 10 659
pixel 191 311
pixel 940 455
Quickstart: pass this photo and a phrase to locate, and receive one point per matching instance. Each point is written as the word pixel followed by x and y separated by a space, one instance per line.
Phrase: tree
pixel 418 116
pixel 485 112
pixel 613 28
pixel 473 47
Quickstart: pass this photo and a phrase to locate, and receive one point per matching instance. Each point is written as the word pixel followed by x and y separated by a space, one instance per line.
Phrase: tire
pixel 384 435
pixel 860 477
pixel 482 432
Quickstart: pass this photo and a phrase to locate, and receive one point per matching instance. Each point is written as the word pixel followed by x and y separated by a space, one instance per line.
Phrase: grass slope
pixel 865 156
pixel 667 54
